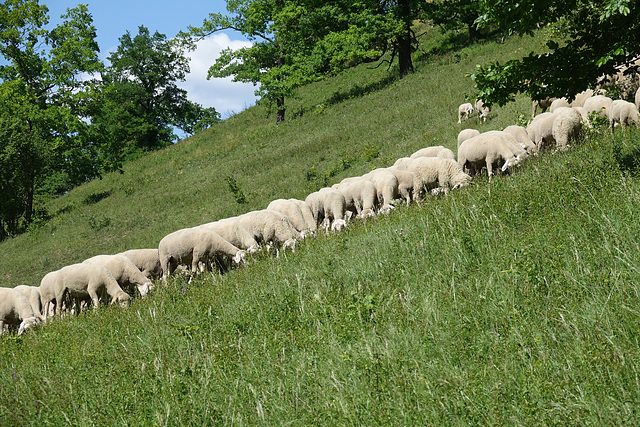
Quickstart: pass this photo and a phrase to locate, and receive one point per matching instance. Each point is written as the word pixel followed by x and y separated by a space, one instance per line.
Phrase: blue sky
pixel 113 18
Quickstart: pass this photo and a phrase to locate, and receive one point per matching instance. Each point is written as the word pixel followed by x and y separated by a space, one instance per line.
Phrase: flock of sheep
pixel 229 241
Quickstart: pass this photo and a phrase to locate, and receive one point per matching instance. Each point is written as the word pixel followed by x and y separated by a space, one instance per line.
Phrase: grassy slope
pixel 514 302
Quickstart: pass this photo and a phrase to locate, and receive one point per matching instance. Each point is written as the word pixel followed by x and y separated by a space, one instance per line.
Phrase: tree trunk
pixel 404 41
pixel 281 110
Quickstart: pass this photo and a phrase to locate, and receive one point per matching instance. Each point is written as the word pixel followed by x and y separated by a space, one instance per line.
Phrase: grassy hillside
pixel 514 302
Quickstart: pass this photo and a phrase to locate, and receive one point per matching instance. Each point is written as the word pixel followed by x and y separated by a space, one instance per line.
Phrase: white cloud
pixel 225 96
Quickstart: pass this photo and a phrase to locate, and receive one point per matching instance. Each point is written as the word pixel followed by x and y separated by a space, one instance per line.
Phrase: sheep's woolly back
pixel 435 151
pixel 581 98
pixel 521 136
pixel 566 127
pixel 147 261
pixel 123 270
pixel 560 102
pixel 540 130
pixel 14 307
pixel 293 212
pixel 598 103
pixel 623 113
pixel 233 232
pixel 465 134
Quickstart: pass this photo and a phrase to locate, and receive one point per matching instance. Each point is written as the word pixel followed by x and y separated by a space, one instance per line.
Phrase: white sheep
pixel 359 195
pixel 484 111
pixel 147 261
pixel 387 188
pixel 436 175
pixel 32 294
pixel 510 141
pixel 328 205
pixel 269 228
pixel 405 183
pixel 306 214
pixel 192 246
pixel 124 271
pixel 540 130
pixel 233 232
pixel 293 211
pixel 557 103
pixel 638 99
pixel 435 151
pixel 580 98
pixel 599 104
pixel 623 113
pixel 15 310
pixel 544 104
pixel 566 126
pixel 485 150
pixel 521 136
pixel 464 111
pixel 80 281
pixel 465 134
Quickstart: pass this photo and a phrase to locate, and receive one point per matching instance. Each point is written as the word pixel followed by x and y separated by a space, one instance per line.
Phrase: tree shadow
pixel 96 197
pixel 360 90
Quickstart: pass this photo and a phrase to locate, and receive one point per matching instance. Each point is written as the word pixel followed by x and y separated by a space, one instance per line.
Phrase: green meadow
pixel 511 302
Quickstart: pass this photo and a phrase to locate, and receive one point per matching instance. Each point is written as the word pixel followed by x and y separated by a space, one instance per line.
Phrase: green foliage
pixel 235 189
pixel 591 40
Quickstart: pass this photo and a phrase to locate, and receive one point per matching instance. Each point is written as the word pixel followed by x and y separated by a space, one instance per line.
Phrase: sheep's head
pixel 289 243
pixel 253 249
pixel 122 298
pixel 146 288
pixel 239 257
pixel 28 323
pixel 338 225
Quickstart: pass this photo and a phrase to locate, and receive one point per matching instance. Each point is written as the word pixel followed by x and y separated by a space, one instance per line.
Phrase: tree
pixel 593 37
pixel 139 102
pixel 41 112
pixel 454 14
pixel 296 42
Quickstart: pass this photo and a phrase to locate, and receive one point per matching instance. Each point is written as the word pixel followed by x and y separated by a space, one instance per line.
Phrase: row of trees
pixel 66 117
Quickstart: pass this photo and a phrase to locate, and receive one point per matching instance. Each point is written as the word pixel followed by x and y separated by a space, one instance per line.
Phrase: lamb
pixel 15 310
pixel 191 246
pixel 566 127
pixel 544 104
pixel 464 110
pixel 600 104
pixel 387 188
pixel 521 136
pixel 466 134
pixel 147 261
pixel 80 281
pixel 269 227
pixel 328 204
pixel 360 196
pixel 435 151
pixel 485 150
pixel 124 271
pixel 32 294
pixel 540 130
pixel 436 174
pixel 484 111
pixel 560 102
pixel 405 183
pixel 233 232
pixel 623 113
pixel 292 210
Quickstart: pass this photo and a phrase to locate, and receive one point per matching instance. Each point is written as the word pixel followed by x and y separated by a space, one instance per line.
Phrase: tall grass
pixel 513 302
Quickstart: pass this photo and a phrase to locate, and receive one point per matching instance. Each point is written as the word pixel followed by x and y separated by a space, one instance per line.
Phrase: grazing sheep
pixel 560 102
pixel 466 134
pixel 598 103
pixel 435 151
pixel 623 113
pixel 511 143
pixel 269 227
pixel 360 196
pixel 405 183
pixel 191 246
pixel 521 136
pixel 387 188
pixel 566 126
pixel 231 231
pixel 578 101
pixel 80 281
pixel 464 110
pixel 124 271
pixel 540 130
pixel 484 111
pixel 485 150
pixel 435 174
pixel 15 310
pixel 292 210
pixel 543 104
pixel 328 204
pixel 147 261
pixel 32 294
pixel 306 214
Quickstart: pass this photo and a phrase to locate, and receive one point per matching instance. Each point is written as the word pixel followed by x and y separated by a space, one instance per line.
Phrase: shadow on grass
pixel 360 90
